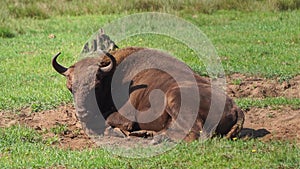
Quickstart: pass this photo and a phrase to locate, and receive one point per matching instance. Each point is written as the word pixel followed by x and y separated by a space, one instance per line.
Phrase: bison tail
pixel 237 127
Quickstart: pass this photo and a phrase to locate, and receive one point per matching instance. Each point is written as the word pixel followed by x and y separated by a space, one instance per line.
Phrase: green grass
pixel 251 37
pixel 6 33
pixel 248 43
pixel 42 9
pixel 247 103
pixel 24 148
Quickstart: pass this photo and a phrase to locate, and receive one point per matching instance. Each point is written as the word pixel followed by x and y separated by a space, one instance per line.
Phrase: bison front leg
pixel 177 132
pixel 119 121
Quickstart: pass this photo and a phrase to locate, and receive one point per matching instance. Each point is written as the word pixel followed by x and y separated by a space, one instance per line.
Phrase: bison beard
pixel 90 81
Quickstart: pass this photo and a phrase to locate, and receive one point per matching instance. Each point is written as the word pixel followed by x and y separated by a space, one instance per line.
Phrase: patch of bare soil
pixel 255 87
pixel 263 123
pixel 60 123
pixel 282 123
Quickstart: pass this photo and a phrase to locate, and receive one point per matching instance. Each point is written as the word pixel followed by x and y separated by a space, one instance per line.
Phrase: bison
pixel 90 81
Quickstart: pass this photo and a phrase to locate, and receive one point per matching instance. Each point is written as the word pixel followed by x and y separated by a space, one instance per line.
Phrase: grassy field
pixel 250 38
pixel 263 40
pixel 24 148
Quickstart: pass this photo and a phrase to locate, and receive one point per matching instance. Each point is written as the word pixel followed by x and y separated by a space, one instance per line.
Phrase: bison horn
pixel 111 65
pixel 59 68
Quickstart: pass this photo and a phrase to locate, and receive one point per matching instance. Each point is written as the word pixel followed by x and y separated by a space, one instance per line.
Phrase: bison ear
pixel 59 68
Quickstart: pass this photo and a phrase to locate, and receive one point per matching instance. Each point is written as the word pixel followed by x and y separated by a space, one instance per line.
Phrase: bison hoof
pixel 127 126
pixel 114 132
pixel 142 133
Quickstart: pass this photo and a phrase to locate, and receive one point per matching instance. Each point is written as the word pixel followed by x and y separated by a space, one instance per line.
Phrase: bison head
pixel 84 79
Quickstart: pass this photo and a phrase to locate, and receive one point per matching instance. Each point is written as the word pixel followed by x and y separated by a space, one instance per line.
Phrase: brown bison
pixel 91 81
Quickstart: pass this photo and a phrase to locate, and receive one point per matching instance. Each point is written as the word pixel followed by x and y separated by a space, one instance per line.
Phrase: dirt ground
pixel 255 87
pixel 280 123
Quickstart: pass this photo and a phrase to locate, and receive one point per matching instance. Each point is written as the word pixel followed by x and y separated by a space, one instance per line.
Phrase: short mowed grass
pixel 22 147
pixel 264 42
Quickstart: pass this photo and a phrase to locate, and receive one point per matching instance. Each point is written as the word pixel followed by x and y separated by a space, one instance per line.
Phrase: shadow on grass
pixel 252 133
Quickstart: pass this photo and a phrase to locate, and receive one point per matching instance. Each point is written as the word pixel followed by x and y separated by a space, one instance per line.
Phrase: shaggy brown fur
pixel 80 84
